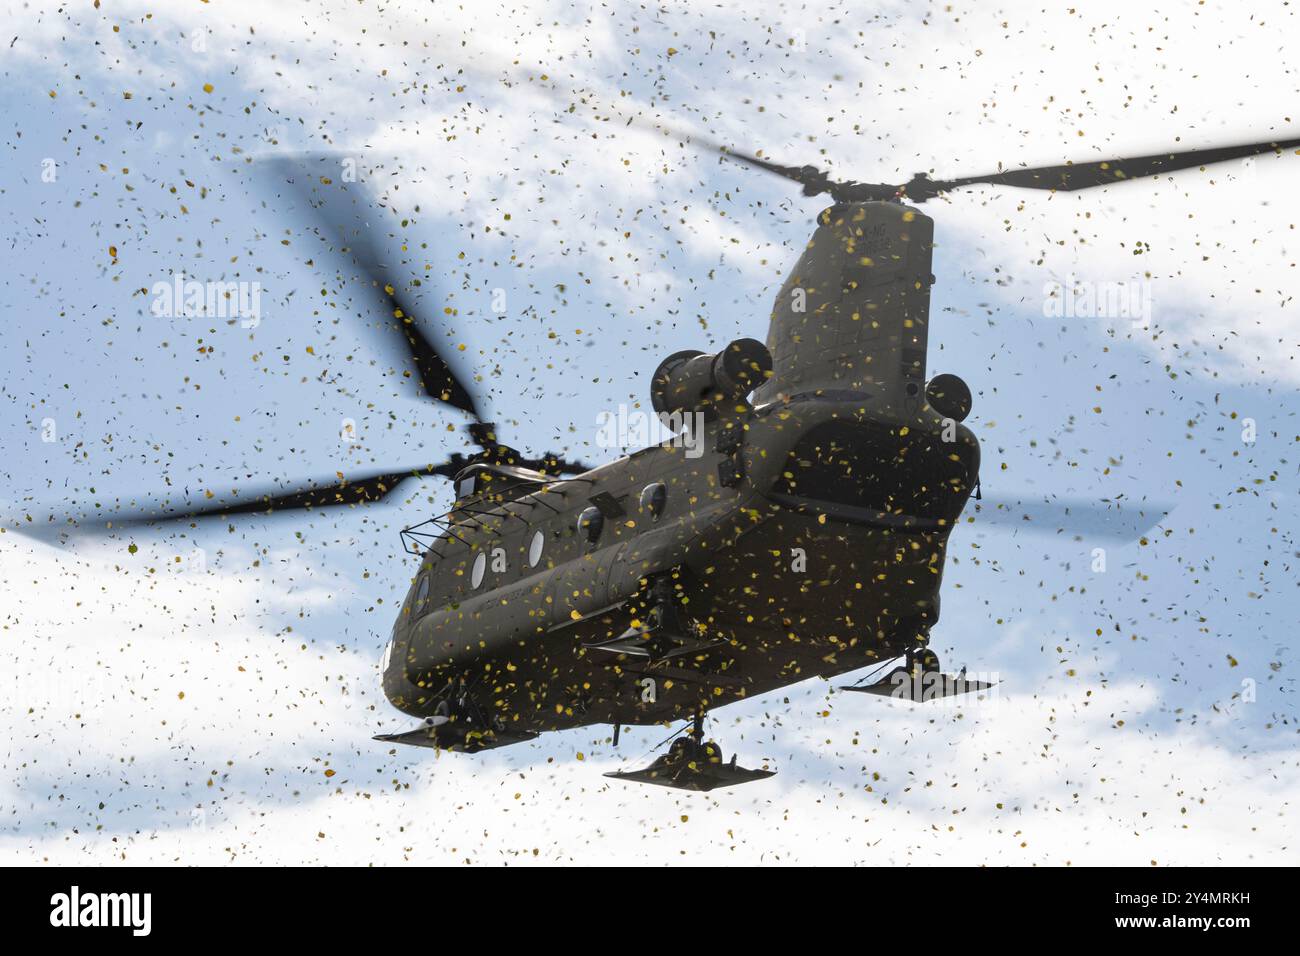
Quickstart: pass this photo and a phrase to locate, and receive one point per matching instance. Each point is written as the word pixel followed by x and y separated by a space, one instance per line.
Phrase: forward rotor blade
pixel 1085 517
pixel 317 182
pixel 1072 176
pixel 328 493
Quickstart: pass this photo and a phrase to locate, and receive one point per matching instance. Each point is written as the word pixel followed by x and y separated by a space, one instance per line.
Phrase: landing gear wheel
pixel 693 763
pixel 441 715
pixel 683 748
pixel 926 660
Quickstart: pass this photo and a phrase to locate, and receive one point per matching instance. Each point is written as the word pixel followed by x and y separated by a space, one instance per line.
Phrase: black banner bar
pixel 185 905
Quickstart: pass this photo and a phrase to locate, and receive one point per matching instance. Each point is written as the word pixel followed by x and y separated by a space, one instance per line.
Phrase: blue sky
pixel 204 707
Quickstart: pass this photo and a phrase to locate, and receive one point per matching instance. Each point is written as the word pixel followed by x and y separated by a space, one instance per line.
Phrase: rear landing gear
pixel 919 679
pixel 693 763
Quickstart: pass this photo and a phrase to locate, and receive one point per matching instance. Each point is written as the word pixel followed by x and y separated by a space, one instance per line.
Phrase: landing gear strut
pixel 693 763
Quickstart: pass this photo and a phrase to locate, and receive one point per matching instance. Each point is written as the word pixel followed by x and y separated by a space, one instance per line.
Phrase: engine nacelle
pixel 949 396
pixel 693 381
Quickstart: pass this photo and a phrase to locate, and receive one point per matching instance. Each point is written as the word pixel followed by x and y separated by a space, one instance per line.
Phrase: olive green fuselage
pixel 793 571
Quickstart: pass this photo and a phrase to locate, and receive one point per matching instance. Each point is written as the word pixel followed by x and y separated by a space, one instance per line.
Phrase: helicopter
pixel 806 537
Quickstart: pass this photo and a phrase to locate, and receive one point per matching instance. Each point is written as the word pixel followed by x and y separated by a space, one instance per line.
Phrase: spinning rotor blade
pixel 340 491
pixel 356 234
pixel 343 218
pixel 1085 517
pixel 329 493
pixel 812 179
pixel 1073 176
pixel 1068 177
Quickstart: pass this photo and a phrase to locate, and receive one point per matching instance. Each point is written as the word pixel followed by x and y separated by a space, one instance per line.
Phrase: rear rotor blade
pixel 345 218
pixel 1072 176
pixel 1083 517
pixel 813 180
pixel 1067 177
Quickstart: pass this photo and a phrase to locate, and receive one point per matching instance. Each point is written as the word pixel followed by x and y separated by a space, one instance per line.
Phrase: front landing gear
pixel 693 763
pixel 459 723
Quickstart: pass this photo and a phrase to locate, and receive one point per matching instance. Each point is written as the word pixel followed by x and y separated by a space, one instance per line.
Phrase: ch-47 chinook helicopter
pixel 658 587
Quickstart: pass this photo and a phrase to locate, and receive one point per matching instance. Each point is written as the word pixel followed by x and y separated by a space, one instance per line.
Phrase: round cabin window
pixel 535 549
pixel 480 568
pixel 653 498
pixel 591 522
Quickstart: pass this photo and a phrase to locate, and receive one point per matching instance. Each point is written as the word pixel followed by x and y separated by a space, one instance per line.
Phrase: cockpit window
pixel 422 593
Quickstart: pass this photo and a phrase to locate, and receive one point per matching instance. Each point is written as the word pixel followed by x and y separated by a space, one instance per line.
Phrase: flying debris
pixel 809 537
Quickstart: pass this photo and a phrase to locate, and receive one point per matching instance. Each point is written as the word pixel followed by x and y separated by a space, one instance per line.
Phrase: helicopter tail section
pixel 853 315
